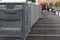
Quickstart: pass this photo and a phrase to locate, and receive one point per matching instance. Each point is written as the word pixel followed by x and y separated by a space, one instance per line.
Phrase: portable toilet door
pixel 10 22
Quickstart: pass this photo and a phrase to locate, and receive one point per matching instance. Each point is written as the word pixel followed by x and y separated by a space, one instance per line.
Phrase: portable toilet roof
pixel 13 1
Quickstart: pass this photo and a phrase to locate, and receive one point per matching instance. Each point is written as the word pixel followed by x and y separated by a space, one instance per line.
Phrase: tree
pixel 51 3
pixel 57 4
pixel 33 1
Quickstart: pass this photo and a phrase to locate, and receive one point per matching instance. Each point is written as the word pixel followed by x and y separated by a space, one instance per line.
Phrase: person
pixel 48 8
pixel 42 6
pixel 45 5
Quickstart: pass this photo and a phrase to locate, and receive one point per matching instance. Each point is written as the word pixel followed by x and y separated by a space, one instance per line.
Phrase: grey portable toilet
pixel 14 20
pixel 57 12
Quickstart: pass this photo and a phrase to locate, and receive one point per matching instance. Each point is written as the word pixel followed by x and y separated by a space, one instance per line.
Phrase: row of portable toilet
pixel 56 12
pixel 17 21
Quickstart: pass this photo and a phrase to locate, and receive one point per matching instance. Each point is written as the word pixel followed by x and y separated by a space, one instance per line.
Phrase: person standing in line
pixel 42 6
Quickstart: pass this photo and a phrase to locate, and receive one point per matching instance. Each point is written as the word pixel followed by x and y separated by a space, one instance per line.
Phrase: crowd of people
pixel 45 6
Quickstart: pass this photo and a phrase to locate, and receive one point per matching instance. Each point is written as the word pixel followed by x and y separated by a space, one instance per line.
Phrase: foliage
pixel 33 0
pixel 51 3
pixel 57 4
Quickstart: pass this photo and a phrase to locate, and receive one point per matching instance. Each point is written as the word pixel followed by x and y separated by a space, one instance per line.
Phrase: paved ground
pixel 46 29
